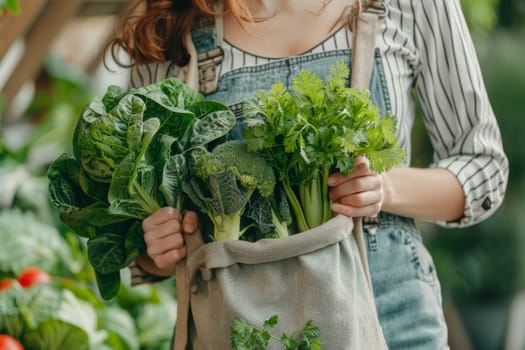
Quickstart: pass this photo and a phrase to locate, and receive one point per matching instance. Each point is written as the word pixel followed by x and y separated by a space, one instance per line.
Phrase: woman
pixel 423 50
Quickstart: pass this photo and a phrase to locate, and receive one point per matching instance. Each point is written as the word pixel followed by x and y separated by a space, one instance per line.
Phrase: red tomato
pixel 6 283
pixel 33 275
pixel 9 343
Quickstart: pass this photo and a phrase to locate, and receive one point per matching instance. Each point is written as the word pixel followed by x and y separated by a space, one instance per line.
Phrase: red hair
pixel 154 30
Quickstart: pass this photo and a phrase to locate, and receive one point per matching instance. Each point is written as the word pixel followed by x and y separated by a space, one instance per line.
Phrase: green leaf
pixel 271 322
pixel 57 335
pixel 108 284
pixel 210 127
pixel 127 196
pixel 134 242
pixel 13 6
pixel 24 309
pixel 173 175
pixel 202 108
pixel 245 336
pixel 155 324
pixel 122 333
pixel 107 253
pixel 76 209
pixel 26 241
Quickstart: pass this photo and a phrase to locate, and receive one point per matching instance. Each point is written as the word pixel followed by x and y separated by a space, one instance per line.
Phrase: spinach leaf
pixel 130 151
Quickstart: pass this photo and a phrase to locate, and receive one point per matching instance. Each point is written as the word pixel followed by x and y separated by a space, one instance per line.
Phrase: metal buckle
pixel 208 62
pixel 370 227
pixel 377 7
pixel 369 220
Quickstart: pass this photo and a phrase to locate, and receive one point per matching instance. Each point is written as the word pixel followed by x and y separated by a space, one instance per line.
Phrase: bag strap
pixel 365 28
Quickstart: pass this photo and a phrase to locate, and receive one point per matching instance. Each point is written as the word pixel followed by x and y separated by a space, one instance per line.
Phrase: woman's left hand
pixel 360 193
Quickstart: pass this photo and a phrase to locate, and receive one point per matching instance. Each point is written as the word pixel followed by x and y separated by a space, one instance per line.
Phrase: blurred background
pixel 50 68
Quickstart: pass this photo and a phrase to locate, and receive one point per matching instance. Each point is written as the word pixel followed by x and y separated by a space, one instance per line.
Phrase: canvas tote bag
pixel 319 275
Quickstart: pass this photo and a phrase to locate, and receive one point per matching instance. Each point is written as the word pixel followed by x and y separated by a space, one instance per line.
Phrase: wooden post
pixel 14 26
pixel 38 42
pixel 457 335
pixel 122 11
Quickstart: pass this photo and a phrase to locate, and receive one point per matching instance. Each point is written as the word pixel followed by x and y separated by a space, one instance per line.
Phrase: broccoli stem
pixel 227 226
pixel 281 226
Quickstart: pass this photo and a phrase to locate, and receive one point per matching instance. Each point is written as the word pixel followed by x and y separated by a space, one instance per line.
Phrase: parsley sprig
pixel 247 337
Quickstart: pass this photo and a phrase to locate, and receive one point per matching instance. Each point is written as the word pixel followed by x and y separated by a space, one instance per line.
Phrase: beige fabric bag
pixel 316 275
pixel 319 275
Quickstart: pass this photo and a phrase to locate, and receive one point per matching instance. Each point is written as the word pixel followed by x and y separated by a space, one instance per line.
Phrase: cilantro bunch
pixel 315 129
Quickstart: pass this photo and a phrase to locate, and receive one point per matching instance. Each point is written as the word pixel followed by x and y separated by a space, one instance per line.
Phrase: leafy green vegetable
pixel 247 337
pixel 138 150
pixel 46 316
pixel 316 129
pixel 11 5
pixel 223 182
pixel 26 241
pixel 129 160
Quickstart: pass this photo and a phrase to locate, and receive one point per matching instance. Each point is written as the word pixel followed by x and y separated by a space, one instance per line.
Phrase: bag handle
pixel 363 48
pixel 365 27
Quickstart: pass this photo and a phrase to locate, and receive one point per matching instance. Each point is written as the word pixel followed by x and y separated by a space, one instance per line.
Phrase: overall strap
pixel 204 45
pixel 377 7
pixel 207 39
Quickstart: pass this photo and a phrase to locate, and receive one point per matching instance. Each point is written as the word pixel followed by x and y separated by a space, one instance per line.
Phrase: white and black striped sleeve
pixel 145 74
pixel 457 112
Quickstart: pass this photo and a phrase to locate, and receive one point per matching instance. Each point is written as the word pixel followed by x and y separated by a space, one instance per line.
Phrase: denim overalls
pixel 406 288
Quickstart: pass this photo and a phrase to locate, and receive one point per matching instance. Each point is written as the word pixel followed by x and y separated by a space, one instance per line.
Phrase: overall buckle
pixel 208 62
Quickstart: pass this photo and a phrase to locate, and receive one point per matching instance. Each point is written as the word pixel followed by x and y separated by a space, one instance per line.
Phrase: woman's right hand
pixel 163 232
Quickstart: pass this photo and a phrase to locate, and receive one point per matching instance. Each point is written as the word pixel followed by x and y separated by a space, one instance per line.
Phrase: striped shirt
pixel 427 50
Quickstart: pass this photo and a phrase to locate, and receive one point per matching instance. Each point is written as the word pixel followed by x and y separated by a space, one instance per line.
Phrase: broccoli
pixel 222 183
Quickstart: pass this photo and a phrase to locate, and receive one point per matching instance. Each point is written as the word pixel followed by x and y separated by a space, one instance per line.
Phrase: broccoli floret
pixel 225 180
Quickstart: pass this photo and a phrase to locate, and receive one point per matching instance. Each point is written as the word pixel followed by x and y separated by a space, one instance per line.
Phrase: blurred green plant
pixel 481 15
pixel 138 318
pixel 12 6
pixel 511 14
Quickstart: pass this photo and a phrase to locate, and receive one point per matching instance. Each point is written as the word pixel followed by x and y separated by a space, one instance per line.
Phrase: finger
pixel 360 161
pixel 163 230
pixel 190 222
pixel 362 199
pixel 170 258
pixel 342 209
pixel 356 185
pixel 160 216
pixel 361 167
pixel 161 246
